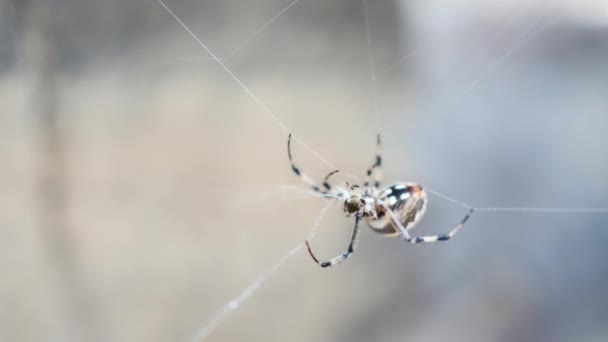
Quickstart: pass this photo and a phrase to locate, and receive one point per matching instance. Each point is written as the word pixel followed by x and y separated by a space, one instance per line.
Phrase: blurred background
pixel 141 188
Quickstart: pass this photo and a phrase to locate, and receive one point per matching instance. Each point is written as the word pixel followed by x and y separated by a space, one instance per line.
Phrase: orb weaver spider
pixel 390 211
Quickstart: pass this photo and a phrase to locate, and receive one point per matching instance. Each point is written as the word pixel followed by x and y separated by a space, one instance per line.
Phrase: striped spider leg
pixel 307 180
pixel 375 169
pixel 401 223
pixel 340 258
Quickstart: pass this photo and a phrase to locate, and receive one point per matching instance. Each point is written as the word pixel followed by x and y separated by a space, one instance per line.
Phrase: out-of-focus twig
pixel 38 62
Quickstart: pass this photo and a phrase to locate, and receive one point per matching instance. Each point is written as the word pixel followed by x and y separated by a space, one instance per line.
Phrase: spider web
pixel 438 108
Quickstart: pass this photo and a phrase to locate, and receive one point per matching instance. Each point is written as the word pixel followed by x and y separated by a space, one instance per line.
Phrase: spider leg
pixel 426 238
pixel 326 184
pixel 340 258
pixel 304 177
pixel 375 167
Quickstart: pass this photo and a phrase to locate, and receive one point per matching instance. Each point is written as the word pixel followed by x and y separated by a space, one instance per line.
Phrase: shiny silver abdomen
pixel 407 201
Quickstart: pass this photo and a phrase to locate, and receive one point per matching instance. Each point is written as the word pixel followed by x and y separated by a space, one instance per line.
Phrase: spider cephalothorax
pixel 355 202
pixel 358 202
pixel 390 211
pixel 353 205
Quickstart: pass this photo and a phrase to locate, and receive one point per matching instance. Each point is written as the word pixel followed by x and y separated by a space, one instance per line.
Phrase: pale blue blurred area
pixel 176 179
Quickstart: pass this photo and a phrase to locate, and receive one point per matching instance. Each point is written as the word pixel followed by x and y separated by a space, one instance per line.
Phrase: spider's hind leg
pixel 426 238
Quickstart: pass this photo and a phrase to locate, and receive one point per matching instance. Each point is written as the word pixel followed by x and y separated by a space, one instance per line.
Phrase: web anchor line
pixel 262 28
pixel 518 209
pixel 220 316
pixel 371 63
pixel 255 99
pixel 543 210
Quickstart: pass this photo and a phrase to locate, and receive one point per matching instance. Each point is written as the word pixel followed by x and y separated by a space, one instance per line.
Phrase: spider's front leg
pixel 340 258
pixel 307 179
pixel 427 238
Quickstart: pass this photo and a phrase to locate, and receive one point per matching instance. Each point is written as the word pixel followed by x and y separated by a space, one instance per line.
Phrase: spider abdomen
pixel 407 201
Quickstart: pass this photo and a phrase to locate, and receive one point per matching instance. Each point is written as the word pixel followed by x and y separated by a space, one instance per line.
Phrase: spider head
pixel 352 205
pixel 354 200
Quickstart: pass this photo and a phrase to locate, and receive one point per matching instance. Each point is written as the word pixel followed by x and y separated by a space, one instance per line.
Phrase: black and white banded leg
pixel 307 179
pixel 340 258
pixel 375 169
pixel 426 238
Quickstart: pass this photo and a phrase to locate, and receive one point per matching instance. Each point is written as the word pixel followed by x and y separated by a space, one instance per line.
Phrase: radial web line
pixel 220 316
pixel 419 47
pixel 263 27
pixel 447 198
pixel 281 191
pixel 371 63
pixel 199 58
pixel 405 57
pixel 518 209
pixel 526 38
pixel 469 61
pixel 543 210
pixel 261 104
pixel 176 61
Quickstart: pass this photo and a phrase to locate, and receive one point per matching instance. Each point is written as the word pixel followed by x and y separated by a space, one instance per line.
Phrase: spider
pixel 390 211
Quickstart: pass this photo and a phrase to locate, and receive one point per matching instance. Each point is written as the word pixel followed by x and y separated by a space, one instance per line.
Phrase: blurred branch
pixel 42 102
